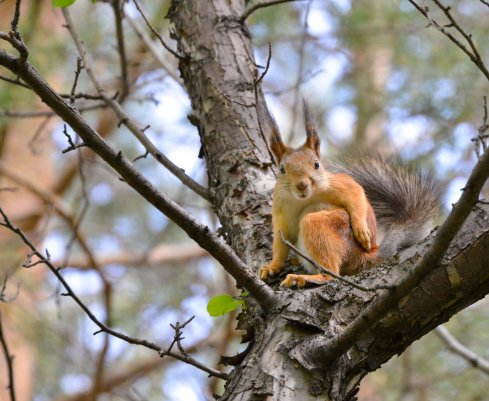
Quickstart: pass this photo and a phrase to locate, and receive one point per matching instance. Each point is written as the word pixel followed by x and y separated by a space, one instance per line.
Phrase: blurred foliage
pixel 376 78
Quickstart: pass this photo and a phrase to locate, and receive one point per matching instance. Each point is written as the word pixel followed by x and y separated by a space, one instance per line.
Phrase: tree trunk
pixel 219 72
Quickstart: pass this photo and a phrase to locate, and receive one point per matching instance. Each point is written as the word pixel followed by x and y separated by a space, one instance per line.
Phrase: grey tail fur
pixel 405 200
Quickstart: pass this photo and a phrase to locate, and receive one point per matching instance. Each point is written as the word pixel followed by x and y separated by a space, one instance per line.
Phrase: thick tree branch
pixel 325 353
pixel 200 233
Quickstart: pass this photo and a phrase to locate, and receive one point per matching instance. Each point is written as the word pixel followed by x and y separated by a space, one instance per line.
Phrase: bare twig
pixel 124 119
pixel 61 209
pixel 458 348
pixel 267 66
pixel 153 49
pixel 472 51
pixel 177 338
pixel 38 114
pixel 14 81
pixel 320 268
pixel 103 328
pixel 9 359
pixel 73 146
pixel 200 233
pixel 79 67
pixel 156 32
pixel 14 38
pixel 480 140
pixel 117 6
pixel 252 9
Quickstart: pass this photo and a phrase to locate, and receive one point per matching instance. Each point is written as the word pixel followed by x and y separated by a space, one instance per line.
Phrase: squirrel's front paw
pixel 362 235
pixel 268 271
pixel 293 279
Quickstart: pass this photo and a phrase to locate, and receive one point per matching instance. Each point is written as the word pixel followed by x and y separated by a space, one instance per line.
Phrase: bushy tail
pixel 405 200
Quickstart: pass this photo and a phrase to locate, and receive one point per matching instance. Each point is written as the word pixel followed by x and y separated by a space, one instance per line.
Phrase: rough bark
pixel 218 71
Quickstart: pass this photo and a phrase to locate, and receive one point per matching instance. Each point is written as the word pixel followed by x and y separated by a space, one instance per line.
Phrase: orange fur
pixel 327 213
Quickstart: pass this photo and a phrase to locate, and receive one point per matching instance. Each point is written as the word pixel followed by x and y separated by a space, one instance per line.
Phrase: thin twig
pixel 121 47
pixel 14 81
pixel 252 9
pixel 329 272
pixel 125 120
pixel 103 328
pixel 79 67
pixel 163 43
pixel 10 362
pixel 200 233
pixel 177 338
pixel 473 54
pixel 14 37
pixel 485 2
pixel 38 114
pixel 458 348
pixel 267 65
pixel 154 50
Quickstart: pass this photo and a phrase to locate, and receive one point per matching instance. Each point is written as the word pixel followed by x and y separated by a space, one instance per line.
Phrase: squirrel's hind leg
pixel 325 237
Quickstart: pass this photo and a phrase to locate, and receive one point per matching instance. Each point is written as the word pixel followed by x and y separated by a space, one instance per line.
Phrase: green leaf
pixel 222 304
pixel 62 3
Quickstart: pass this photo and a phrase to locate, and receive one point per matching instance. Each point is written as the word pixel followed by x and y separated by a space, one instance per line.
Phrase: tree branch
pixel 41 259
pixel 121 46
pixel 327 351
pixel 473 52
pixel 252 9
pixel 198 232
pixel 456 347
pixel 9 359
pixel 124 119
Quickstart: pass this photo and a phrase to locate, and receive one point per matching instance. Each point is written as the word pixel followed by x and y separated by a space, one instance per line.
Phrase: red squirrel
pixel 329 211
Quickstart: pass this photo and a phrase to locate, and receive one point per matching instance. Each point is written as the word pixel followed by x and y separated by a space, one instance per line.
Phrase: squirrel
pixel 335 213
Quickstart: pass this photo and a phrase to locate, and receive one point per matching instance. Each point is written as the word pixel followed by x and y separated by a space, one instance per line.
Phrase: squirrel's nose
pixel 301 185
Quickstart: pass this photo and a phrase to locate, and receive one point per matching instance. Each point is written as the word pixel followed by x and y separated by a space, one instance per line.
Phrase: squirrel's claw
pixel 293 279
pixel 362 235
pixel 267 271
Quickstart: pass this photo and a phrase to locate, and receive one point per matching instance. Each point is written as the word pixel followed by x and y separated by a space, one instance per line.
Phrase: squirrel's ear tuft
pixel 312 141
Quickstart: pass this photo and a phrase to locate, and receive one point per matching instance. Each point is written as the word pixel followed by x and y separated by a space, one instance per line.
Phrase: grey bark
pixel 219 73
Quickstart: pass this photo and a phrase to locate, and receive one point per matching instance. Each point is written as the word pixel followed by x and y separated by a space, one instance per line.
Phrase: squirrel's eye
pixel 282 169
pixel 316 164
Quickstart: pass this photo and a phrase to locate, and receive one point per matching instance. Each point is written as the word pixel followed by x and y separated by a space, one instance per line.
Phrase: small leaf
pixel 222 304
pixel 62 3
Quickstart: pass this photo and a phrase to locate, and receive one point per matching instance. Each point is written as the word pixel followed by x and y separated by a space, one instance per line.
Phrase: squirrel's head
pixel 300 169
